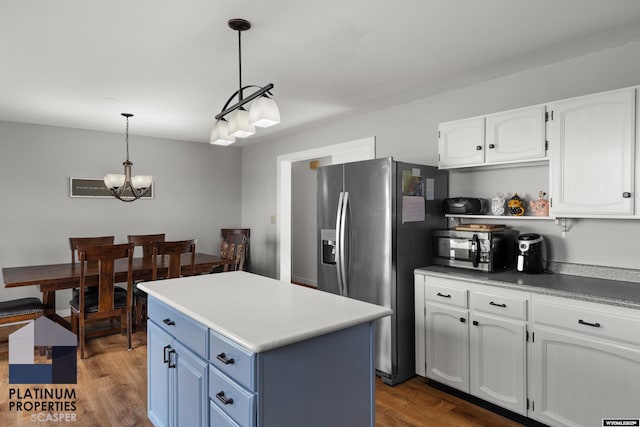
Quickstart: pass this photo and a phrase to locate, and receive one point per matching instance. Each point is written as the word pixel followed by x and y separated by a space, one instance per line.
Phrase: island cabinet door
pixel 158 379
pixel 190 376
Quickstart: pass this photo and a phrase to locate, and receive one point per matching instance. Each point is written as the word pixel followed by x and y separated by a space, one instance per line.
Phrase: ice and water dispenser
pixel 328 239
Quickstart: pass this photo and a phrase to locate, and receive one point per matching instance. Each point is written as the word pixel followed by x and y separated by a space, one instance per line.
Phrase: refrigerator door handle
pixel 343 264
pixel 338 239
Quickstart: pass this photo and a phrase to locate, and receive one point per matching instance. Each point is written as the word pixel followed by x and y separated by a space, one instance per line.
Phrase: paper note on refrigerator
pixel 412 208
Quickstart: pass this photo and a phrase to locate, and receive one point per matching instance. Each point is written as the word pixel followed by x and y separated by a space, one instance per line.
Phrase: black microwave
pixel 477 250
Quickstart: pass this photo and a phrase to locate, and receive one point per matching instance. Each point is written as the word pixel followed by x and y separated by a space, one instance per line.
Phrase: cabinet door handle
pixel 463 320
pixel 582 322
pixel 626 195
pixel 478 147
pixel 492 146
pixel 475 323
pixel 224 359
pixel 169 322
pixel 224 399
pixel 498 305
pixel 443 295
pixel 165 356
pixel 169 361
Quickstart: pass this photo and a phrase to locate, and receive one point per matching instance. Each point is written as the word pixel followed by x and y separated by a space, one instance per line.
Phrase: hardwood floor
pixel 111 391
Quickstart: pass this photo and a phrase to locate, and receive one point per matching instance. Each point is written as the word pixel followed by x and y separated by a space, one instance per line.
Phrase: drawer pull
pixel 172 351
pixel 165 356
pixel 582 322
pixel 475 323
pixel 168 322
pixel 443 295
pixel 463 320
pixel 224 359
pixel 224 399
pixel 498 305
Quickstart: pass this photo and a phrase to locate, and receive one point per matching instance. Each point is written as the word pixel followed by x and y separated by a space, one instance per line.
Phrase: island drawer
pixel 217 417
pixel 232 360
pixel 231 398
pixel 446 294
pixel 514 306
pixel 616 323
pixel 191 333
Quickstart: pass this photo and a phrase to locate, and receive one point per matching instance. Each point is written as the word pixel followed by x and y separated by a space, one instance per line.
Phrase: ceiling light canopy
pixel 240 123
pixel 124 186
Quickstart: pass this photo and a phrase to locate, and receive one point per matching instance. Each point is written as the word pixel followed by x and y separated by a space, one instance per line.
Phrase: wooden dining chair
pixel 174 251
pixel 238 236
pixel 74 242
pixel 106 303
pixel 139 296
pixel 235 254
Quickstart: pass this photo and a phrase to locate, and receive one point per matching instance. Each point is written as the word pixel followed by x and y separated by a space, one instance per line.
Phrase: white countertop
pixel 260 313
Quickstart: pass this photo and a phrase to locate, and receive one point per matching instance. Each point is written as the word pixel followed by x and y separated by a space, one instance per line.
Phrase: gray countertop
pixel 615 292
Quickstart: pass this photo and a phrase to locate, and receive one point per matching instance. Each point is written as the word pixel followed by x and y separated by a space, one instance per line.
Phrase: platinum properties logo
pixel 46 404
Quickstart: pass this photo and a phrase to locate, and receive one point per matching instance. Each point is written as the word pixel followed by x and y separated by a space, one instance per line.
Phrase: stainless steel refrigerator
pixel 374 226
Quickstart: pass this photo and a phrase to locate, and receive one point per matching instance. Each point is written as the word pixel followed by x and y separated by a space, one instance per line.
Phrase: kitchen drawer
pixel 231 398
pixel 514 306
pixel 445 294
pixel 232 360
pixel 593 319
pixel 217 417
pixel 191 333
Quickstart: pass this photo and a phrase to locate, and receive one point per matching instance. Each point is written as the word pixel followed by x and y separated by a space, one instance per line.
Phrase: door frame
pixel 361 149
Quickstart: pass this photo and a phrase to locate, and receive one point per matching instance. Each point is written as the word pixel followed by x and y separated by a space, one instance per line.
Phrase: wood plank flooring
pixel 111 391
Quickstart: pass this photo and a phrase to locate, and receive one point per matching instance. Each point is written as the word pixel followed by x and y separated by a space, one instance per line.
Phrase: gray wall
pixel 197 192
pixel 408 132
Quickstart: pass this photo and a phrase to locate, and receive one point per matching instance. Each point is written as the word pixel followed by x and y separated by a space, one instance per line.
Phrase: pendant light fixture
pixel 241 123
pixel 124 186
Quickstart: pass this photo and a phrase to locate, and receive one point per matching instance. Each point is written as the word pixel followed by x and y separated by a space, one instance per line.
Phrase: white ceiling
pixel 80 63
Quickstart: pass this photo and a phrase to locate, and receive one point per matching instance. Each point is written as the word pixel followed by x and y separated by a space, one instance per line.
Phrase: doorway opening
pixel 362 149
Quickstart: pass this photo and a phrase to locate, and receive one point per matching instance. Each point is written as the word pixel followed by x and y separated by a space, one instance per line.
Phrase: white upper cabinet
pixel 591 143
pixel 507 137
pixel 461 143
pixel 515 135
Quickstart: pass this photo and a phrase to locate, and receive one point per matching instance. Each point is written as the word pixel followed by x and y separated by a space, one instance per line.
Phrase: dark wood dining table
pixel 54 277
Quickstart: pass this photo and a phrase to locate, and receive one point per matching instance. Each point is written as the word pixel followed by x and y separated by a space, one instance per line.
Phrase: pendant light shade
pixel 114 180
pixel 239 124
pixel 220 133
pixel 264 112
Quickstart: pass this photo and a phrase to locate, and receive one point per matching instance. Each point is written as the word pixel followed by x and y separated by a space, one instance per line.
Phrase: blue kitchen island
pixel 238 349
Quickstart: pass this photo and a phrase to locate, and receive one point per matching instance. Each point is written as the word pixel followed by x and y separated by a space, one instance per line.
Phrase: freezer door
pixel 369 235
pixel 330 181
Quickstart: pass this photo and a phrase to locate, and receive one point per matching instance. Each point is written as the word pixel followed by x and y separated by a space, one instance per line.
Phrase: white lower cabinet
pixel 560 361
pixel 498 361
pixel 447 348
pixel 585 362
pixel 475 339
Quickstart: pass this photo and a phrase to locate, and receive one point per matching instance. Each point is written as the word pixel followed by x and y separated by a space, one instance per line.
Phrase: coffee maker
pixel 530 253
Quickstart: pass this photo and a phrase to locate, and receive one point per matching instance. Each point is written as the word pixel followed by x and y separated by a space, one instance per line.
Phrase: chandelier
pixel 126 187
pixel 242 123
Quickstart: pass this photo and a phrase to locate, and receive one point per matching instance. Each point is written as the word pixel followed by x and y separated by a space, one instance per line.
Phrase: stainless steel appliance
pixel 530 253
pixel 374 224
pixel 486 251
